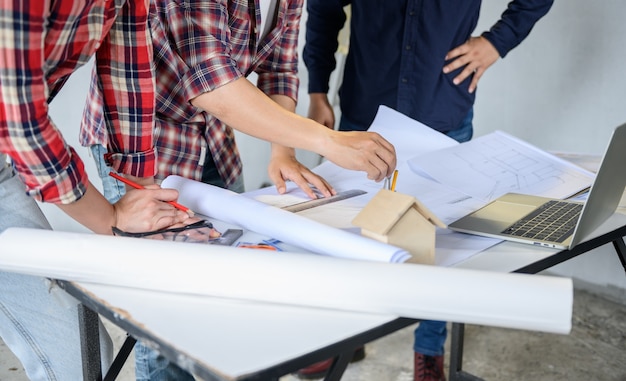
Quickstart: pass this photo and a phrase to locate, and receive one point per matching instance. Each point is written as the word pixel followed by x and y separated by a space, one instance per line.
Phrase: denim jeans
pixel 149 364
pixel 430 335
pixel 38 320
pixel 465 130
pixel 113 190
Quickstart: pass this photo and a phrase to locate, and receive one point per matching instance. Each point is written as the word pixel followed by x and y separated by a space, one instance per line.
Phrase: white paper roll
pixel 276 223
pixel 520 301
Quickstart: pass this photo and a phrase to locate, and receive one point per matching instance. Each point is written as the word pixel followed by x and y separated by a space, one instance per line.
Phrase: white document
pixel 272 222
pixel 489 166
pixel 520 301
pixel 407 135
pixel 409 138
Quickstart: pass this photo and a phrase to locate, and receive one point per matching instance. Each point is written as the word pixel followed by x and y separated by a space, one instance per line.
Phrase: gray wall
pixel 563 89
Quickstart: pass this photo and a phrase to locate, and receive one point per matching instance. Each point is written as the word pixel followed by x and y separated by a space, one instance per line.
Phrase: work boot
pixel 428 368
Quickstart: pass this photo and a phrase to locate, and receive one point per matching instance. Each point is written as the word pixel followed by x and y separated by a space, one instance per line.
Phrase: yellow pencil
pixel 393 181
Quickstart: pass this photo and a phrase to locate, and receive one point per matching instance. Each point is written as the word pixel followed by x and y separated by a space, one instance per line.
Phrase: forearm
pixel 289 105
pixel 92 210
pixel 246 109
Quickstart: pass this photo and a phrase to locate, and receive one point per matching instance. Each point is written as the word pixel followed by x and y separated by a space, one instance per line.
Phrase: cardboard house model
pixel 400 220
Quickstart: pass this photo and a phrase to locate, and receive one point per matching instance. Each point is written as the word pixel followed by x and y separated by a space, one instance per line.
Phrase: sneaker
pixel 428 368
pixel 319 369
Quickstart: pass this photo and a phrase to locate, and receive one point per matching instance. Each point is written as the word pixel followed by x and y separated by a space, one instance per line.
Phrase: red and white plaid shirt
pixel 42 43
pixel 200 45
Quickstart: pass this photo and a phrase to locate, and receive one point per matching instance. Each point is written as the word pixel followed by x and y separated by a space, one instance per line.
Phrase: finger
pixel 387 146
pixel 387 155
pixel 163 194
pixel 378 169
pixel 304 185
pixel 279 182
pixel 477 74
pixel 457 52
pixel 167 218
pixel 464 74
pixel 152 186
pixel 320 184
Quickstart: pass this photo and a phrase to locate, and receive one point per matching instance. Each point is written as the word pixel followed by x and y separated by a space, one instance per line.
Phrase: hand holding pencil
pixel 137 186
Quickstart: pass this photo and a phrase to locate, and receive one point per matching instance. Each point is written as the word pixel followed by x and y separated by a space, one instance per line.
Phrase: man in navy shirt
pixel 419 58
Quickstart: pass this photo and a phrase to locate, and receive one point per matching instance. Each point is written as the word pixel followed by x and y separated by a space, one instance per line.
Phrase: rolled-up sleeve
pixel 278 74
pixel 50 169
pixel 126 84
pixel 200 34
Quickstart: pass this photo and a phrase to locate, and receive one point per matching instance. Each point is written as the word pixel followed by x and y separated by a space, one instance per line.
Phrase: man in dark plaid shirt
pixel 204 50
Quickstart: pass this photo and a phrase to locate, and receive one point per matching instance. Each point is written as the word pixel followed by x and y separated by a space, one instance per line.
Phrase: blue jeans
pixel 465 130
pixel 149 364
pixel 430 335
pixel 38 320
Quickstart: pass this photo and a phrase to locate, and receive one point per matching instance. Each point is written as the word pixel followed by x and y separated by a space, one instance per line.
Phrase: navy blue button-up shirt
pixel 397 51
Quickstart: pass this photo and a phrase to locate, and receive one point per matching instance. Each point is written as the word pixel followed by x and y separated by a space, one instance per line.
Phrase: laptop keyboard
pixel 553 221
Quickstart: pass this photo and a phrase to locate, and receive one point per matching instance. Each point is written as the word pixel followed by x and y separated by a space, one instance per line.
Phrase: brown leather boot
pixel 428 368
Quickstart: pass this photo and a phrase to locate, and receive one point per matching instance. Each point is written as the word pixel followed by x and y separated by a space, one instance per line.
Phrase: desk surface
pixel 220 339
pixel 234 340
pixel 223 339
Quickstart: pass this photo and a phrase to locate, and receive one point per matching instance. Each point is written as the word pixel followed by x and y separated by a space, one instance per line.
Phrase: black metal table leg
pixel 620 248
pixel 90 343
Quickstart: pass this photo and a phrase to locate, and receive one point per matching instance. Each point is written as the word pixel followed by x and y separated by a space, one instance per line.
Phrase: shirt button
pixel 411 13
pixel 404 80
pixel 408 47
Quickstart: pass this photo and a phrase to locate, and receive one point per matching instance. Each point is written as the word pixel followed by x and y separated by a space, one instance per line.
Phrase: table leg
pixel 455 372
pixel 620 248
pixel 120 358
pixel 89 343
pixel 339 366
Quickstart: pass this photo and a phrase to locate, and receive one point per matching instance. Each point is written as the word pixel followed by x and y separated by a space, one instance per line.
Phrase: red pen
pixel 137 186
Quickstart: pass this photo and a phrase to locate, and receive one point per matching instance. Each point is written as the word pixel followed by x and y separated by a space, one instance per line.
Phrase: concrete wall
pixel 563 89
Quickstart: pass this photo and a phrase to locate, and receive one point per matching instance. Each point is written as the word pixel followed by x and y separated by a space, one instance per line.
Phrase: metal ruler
pixel 228 237
pixel 323 201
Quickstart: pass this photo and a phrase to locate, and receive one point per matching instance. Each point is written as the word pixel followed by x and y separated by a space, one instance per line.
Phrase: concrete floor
pixel 594 350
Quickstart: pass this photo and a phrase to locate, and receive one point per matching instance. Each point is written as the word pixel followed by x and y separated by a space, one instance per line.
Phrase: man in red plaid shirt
pixel 42 43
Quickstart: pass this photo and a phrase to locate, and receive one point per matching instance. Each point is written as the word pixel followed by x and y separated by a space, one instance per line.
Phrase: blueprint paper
pixel 494 164
pixel 532 302
pixel 258 217
pixel 409 137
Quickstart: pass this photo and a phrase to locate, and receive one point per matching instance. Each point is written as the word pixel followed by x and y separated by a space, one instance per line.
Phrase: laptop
pixel 550 222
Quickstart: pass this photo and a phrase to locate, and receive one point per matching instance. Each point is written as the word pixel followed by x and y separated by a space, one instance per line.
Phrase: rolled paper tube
pixel 532 302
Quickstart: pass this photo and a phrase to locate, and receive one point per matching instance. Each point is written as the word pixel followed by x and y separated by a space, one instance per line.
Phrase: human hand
pixel 320 110
pixel 477 54
pixel 141 210
pixel 284 166
pixel 362 151
pixel 194 230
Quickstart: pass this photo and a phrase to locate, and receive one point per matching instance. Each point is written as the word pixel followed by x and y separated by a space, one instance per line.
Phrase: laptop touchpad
pixel 503 211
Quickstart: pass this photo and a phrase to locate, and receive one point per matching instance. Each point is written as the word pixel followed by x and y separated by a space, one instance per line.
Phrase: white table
pixel 220 339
